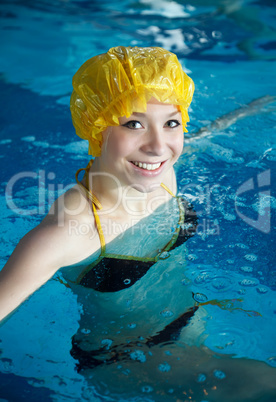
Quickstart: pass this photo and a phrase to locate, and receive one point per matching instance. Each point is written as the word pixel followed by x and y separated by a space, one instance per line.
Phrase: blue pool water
pixel 229 49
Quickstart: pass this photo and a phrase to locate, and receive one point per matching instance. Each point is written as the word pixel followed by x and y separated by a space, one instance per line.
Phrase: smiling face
pixel 144 147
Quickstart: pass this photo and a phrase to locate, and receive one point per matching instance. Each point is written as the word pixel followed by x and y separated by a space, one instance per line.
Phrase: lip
pixel 148 173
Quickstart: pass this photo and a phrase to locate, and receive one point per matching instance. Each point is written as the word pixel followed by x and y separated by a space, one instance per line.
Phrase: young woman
pixel 131 105
pixel 114 234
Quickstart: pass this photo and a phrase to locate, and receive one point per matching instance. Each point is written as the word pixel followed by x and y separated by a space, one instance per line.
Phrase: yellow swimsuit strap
pixel 86 189
pixel 96 203
pixel 167 189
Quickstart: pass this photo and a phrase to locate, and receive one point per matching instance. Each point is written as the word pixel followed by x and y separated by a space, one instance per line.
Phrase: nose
pixel 155 142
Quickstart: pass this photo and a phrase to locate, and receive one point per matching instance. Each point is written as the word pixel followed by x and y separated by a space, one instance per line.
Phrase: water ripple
pixel 221 282
pixel 234 340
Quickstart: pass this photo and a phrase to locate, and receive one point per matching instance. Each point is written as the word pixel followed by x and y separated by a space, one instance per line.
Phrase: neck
pixel 121 199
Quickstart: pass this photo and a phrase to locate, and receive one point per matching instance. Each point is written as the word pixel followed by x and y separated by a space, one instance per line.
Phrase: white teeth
pixel 147 166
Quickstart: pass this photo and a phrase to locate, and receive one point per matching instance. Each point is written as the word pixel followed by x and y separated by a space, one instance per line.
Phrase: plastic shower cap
pixel 122 81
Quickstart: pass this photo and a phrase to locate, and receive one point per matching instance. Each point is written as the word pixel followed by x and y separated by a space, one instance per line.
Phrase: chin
pixel 149 188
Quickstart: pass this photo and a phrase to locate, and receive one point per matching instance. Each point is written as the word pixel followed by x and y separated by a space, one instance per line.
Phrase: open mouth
pixel 147 166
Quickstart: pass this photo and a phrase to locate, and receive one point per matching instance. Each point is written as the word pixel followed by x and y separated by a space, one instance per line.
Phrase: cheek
pixel 118 144
pixel 178 143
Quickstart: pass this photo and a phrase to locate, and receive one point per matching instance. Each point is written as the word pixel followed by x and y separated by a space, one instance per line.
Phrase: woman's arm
pixel 48 247
pixel 33 262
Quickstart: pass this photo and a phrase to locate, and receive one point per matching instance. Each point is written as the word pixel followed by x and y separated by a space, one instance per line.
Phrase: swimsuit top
pixel 114 272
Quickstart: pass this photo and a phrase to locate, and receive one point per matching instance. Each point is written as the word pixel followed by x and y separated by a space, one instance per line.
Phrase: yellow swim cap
pixel 122 81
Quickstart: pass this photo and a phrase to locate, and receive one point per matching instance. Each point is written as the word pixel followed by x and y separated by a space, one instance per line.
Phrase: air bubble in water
pixel 131 326
pixel 219 374
pixel 200 297
pixel 185 281
pixel 166 313
pixel 147 388
pixel 250 257
pixel 216 34
pixel 164 255
pixel 138 355
pixel 202 278
pixel 164 367
pixel 246 269
pixel 201 378
pixel 85 331
pixel 220 283
pixel 262 289
pixel 241 245
pixel 127 281
pixel 248 282
pixel 241 292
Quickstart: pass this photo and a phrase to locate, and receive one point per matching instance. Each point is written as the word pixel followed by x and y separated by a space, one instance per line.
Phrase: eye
pixel 133 124
pixel 172 123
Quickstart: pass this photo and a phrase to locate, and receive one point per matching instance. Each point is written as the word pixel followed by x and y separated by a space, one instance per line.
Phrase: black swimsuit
pixel 113 272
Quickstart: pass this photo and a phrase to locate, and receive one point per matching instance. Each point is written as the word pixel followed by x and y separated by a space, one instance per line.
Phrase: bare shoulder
pixel 53 244
pixel 72 203
pixel 65 236
pixel 69 228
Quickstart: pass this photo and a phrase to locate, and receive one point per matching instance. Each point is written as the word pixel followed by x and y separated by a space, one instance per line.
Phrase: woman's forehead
pixel 154 101
pixel 156 107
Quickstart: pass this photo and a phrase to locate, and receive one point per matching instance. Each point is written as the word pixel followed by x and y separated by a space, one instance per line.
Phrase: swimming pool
pixel 229 50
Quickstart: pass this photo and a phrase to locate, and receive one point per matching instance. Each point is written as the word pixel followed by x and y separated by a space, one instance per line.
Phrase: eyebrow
pixel 169 115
